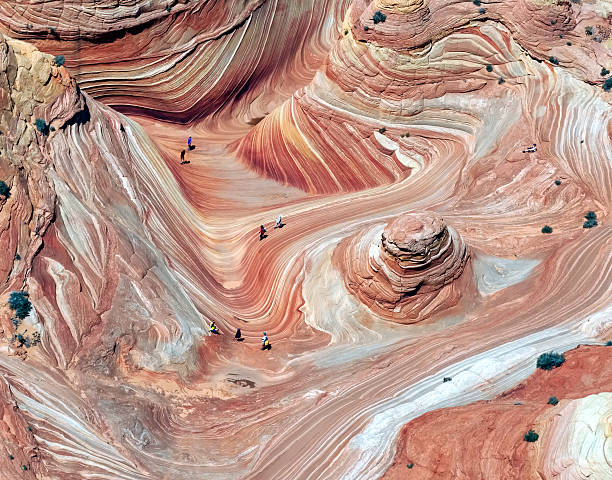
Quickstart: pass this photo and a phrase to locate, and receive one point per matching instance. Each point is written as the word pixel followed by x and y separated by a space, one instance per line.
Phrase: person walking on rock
pixel 189 143
pixel 531 149
pixel 262 232
pixel 265 341
pixel 238 335
pixel 279 222
pixel 183 157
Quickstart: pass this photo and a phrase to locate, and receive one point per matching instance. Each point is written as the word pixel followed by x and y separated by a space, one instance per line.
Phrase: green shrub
pixel 476 2
pixel 5 191
pixel 168 8
pixel 589 30
pixel 607 85
pixel 410 465
pixel 569 44
pixel 59 60
pixel 482 11
pixel 557 182
pixel 531 436
pixel 379 17
pixel 500 80
pixel 489 68
pixel 553 60
pixel 446 379
pixel 366 28
pixel 382 130
pixel 552 400
pixel 550 360
pixel 590 224
pixel 546 229
pixel 604 71
pixel 41 126
pixel 591 215
pixel 19 302
pixel 609 343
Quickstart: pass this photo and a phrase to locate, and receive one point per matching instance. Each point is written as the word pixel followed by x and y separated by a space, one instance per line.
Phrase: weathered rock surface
pixel 485 439
pixel 408 273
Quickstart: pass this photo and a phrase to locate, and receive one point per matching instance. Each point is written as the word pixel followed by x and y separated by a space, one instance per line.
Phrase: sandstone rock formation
pixel 409 273
pixel 485 439
pixel 296 108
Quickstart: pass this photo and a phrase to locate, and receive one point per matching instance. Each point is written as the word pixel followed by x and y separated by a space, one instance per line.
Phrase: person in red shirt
pixel 262 232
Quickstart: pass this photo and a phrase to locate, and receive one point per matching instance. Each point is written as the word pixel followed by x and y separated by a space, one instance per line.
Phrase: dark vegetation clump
pixel 591 220
pixel 489 68
pixel 552 22
pixel 500 80
pixel 476 2
pixel 407 134
pixel 5 191
pixel 557 182
pixel 604 71
pixel 446 379
pixel 42 126
pixel 569 44
pixel 553 60
pixel 531 436
pixel 550 360
pixel 552 401
pixel 20 302
pixel 607 85
pixel 379 17
pixel 52 30
pixel 546 229
pixel 17 256
pixel 168 8
pixel 575 1
pixel 410 465
pixel 382 130
pixel 588 30
pixel 59 60
pixel 609 343
pixel 366 28
pixel 482 11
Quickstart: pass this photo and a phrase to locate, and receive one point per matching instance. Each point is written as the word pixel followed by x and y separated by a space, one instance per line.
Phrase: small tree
pixel 550 360
pixel 19 302
pixel 379 17
pixel 604 71
pixel 59 60
pixel 5 191
pixel 588 30
pixel 489 68
pixel 546 229
pixel 382 130
pixel 557 182
pixel 482 11
pixel 552 400
pixel 531 436
pixel 500 80
pixel 609 343
pixel 410 465
pixel 607 85
pixel 476 2
pixel 446 379
pixel 553 60
pixel 41 126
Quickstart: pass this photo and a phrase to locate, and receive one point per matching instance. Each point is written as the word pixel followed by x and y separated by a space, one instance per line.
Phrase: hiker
pixel 265 342
pixel 189 143
pixel 262 232
pixel 279 222
pixel 182 157
pixel 531 149
pixel 213 328
pixel 238 335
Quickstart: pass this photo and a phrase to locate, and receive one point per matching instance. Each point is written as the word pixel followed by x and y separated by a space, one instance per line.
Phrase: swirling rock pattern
pixel 296 108
pixel 404 276
pixel 574 435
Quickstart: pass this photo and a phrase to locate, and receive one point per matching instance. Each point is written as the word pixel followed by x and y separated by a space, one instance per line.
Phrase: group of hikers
pixel 265 341
pixel 189 147
pixel 278 224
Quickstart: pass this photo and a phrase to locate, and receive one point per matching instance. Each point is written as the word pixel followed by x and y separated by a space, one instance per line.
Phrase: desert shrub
pixel 476 2
pixel 168 8
pixel 590 224
pixel 575 1
pixel 550 360
pixel 546 229
pixel 17 256
pixel 16 322
pixel 604 71
pixel 557 182
pixel 552 400
pixel 607 85
pixel 552 22
pixel 609 343
pixel 489 68
pixel 482 11
pixel 569 44
pixel 446 379
pixel 590 215
pixel 410 465
pixel 19 302
pixel 588 30
pixel 59 60
pixel 5 191
pixel 379 17
pixel 366 28
pixel 41 126
pixel 382 130
pixel 500 80
pixel 52 30
pixel 531 436
pixel 11 457
pixel 553 60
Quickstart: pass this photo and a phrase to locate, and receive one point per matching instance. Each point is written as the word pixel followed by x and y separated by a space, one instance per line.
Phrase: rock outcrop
pixel 409 272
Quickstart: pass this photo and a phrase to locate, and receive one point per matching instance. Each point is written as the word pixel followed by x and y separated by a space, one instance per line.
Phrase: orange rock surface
pixel 485 439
